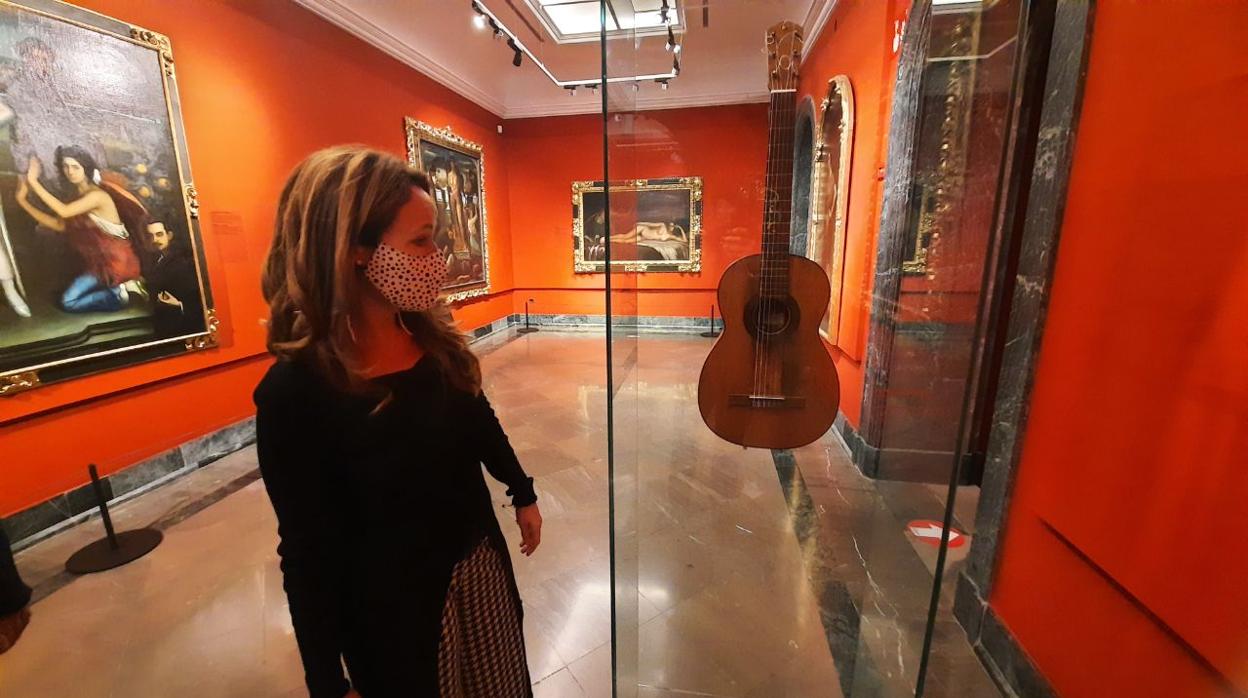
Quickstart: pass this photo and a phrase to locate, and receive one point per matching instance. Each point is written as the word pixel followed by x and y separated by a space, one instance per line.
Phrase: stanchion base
pixel 527 330
pixel 100 556
pixel 711 334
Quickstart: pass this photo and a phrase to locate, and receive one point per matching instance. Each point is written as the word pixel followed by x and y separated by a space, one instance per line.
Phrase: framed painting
pixel 664 231
pixel 834 142
pixel 456 170
pixel 101 261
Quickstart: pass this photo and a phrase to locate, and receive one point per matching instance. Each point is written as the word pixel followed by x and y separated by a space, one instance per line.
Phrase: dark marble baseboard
pixel 864 455
pixel 1000 652
pixel 499 325
pixel 644 323
pixel 32 525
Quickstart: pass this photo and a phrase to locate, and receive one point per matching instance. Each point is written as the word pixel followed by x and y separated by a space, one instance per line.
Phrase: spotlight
pixel 479 21
pixel 636 86
pixel 511 43
pixel 662 84
pixel 572 91
pixel 676 48
pixel 671 39
pixel 593 89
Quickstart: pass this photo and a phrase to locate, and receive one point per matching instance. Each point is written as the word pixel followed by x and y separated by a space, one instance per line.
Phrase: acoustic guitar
pixel 769 382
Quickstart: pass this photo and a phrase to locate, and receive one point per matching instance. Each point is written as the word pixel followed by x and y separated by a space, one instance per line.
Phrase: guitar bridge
pixel 774 402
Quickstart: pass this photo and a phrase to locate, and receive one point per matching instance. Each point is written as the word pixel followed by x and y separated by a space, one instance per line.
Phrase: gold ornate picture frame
pixel 940 173
pixel 456 170
pixel 79 296
pixel 665 235
pixel 833 157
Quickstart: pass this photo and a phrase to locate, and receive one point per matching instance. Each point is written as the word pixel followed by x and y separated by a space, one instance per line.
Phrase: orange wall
pixel 262 84
pixel 857 41
pixel 1124 563
pixel 725 146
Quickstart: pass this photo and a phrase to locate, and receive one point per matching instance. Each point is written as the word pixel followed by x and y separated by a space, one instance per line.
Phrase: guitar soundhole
pixel 771 317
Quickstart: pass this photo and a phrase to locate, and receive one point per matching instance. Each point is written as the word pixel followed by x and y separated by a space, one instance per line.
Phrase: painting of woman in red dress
pixel 97 219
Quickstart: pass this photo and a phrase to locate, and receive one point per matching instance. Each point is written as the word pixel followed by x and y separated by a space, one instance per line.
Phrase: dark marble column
pixel 890 248
pixel 1065 26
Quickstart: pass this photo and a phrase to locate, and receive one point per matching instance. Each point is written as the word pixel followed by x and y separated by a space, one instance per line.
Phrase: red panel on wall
pixel 1136 441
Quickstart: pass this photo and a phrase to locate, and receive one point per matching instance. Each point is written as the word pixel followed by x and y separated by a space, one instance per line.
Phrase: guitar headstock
pixel 784 55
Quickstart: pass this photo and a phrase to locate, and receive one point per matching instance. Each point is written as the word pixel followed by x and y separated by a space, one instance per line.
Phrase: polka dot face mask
pixel 410 283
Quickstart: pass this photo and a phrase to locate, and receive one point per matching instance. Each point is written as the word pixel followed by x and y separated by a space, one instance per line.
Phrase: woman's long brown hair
pixel 334 200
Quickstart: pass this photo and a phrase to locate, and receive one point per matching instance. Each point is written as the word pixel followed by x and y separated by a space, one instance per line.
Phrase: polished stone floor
pixel 755 574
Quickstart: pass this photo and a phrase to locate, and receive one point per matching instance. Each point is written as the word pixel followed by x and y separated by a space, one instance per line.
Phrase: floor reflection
pixel 748 583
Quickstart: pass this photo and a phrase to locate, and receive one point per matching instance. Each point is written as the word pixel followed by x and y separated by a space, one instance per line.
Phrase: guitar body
pixel 769 382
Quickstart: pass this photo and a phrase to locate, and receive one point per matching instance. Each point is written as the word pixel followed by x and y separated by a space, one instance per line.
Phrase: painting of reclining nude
pixel 100 262
pixel 656 225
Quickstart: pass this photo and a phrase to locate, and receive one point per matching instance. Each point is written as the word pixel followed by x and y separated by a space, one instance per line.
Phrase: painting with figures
pixel 457 177
pixel 656 225
pixel 99 252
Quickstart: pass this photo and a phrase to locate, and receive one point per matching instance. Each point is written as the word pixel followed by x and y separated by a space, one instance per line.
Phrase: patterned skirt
pixel 481 654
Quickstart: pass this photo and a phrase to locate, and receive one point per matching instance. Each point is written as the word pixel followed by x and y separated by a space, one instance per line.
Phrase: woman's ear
pixel 360 256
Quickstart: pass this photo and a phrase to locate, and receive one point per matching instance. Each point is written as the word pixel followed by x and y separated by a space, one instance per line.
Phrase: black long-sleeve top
pixel 14 594
pixel 373 512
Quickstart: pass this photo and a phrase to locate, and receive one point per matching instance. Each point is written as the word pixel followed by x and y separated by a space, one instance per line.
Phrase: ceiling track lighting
pixel 485 17
pixel 663 84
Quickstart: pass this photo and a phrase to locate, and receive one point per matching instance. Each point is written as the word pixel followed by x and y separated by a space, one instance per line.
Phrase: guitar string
pixel 767 212
pixel 781 115
pixel 778 235
pixel 774 235
pixel 773 377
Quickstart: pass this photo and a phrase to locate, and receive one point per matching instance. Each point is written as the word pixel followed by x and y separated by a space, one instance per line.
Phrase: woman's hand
pixel 34 170
pixel 530 521
pixel 168 299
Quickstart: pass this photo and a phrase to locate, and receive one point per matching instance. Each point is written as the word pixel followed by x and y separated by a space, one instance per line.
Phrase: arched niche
pixel 833 152
pixel 803 159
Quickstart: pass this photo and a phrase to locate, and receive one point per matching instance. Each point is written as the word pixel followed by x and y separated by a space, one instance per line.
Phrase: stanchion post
pixel 528 327
pixel 712 332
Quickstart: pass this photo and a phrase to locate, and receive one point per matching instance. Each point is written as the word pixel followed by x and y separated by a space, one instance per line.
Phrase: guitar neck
pixel 778 210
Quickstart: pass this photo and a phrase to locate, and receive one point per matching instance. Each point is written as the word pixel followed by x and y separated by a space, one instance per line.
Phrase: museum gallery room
pixel 638 348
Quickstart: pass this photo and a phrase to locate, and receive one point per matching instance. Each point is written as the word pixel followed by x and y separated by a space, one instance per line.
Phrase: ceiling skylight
pixel 572 21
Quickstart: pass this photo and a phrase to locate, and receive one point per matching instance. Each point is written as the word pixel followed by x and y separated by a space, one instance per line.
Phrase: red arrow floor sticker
pixel 929 532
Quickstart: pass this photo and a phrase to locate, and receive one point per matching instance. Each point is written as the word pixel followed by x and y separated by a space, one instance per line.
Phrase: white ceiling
pixel 722 63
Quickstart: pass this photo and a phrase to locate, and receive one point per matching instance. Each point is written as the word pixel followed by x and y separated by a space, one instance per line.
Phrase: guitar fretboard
pixel 778 209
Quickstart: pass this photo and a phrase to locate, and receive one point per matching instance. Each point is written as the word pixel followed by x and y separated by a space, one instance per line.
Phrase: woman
pixel 371 430
pixel 92 220
pixel 14 598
